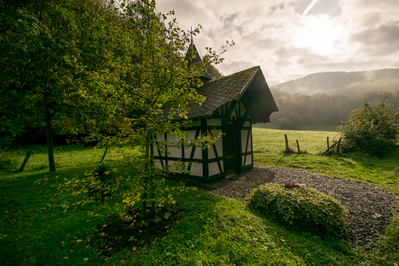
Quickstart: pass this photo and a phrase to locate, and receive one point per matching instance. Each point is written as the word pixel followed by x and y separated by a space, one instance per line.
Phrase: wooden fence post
pixel 339 144
pixel 328 143
pixel 286 143
pixel 297 144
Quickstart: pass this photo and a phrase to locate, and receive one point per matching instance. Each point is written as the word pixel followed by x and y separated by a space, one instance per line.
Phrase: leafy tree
pixel 46 45
pixel 373 129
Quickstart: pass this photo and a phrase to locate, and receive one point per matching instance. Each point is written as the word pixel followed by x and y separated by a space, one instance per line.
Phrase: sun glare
pixel 318 34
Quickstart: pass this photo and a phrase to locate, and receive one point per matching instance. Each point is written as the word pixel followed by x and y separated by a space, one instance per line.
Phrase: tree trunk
pixel 154 202
pixel 50 144
pixel 145 181
pixel 25 161
pixel 105 153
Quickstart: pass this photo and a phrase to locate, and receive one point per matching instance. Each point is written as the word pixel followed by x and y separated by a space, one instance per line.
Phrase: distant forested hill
pixel 331 96
pixel 343 83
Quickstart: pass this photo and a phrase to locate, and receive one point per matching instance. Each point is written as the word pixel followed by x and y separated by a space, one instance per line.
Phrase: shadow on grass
pixel 112 237
pixel 41 225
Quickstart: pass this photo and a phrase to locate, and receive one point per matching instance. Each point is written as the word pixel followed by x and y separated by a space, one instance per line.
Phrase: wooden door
pixel 230 149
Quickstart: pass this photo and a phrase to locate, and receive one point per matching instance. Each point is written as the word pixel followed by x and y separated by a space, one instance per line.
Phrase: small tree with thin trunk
pixel 155 88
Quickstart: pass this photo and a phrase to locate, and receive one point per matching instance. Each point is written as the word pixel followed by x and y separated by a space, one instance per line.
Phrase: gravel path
pixel 370 208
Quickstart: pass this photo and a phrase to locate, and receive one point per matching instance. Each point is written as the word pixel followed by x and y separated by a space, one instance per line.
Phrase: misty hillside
pixel 342 83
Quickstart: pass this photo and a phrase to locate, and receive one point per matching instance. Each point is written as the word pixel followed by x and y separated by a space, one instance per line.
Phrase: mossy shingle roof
pixel 222 91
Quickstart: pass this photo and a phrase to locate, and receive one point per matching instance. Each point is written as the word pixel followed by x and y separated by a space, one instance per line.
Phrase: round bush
pixel 373 129
pixel 301 206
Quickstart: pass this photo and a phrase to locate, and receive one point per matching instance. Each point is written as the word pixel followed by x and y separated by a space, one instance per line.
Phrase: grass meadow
pixel 39 228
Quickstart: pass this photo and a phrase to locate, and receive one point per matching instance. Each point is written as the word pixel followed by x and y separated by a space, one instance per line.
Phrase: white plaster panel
pixel 158 163
pixel 218 145
pixel 214 122
pixel 196 123
pixel 198 153
pixel 233 114
pixel 247 124
pixel 196 170
pixel 213 169
pixel 190 134
pixel 171 163
pixel 249 142
pixel 171 137
pixel 187 152
pixel 244 134
pixel 211 153
pixel 243 109
pixel 175 152
pixel 248 161
pixel 160 137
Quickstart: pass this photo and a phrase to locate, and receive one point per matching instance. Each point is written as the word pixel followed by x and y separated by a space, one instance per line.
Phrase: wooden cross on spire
pixel 191 34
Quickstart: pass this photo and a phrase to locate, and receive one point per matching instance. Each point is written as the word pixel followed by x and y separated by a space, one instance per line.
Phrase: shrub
pixel 300 206
pixel 373 129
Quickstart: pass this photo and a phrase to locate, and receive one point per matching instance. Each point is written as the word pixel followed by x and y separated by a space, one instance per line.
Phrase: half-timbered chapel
pixel 233 104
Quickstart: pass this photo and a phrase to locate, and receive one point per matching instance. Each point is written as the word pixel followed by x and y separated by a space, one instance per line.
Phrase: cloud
pixel 268 32
pixel 382 41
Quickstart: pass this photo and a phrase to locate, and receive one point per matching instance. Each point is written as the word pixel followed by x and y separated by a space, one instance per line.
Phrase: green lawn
pixel 269 144
pixel 311 127
pixel 37 228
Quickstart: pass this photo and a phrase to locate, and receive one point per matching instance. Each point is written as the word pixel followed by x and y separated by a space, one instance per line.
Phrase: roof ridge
pixel 248 82
pixel 220 79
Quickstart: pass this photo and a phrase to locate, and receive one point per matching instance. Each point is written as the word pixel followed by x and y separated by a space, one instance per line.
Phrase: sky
pixel 290 39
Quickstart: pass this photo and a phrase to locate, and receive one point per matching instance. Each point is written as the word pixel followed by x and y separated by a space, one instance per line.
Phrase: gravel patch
pixel 370 207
